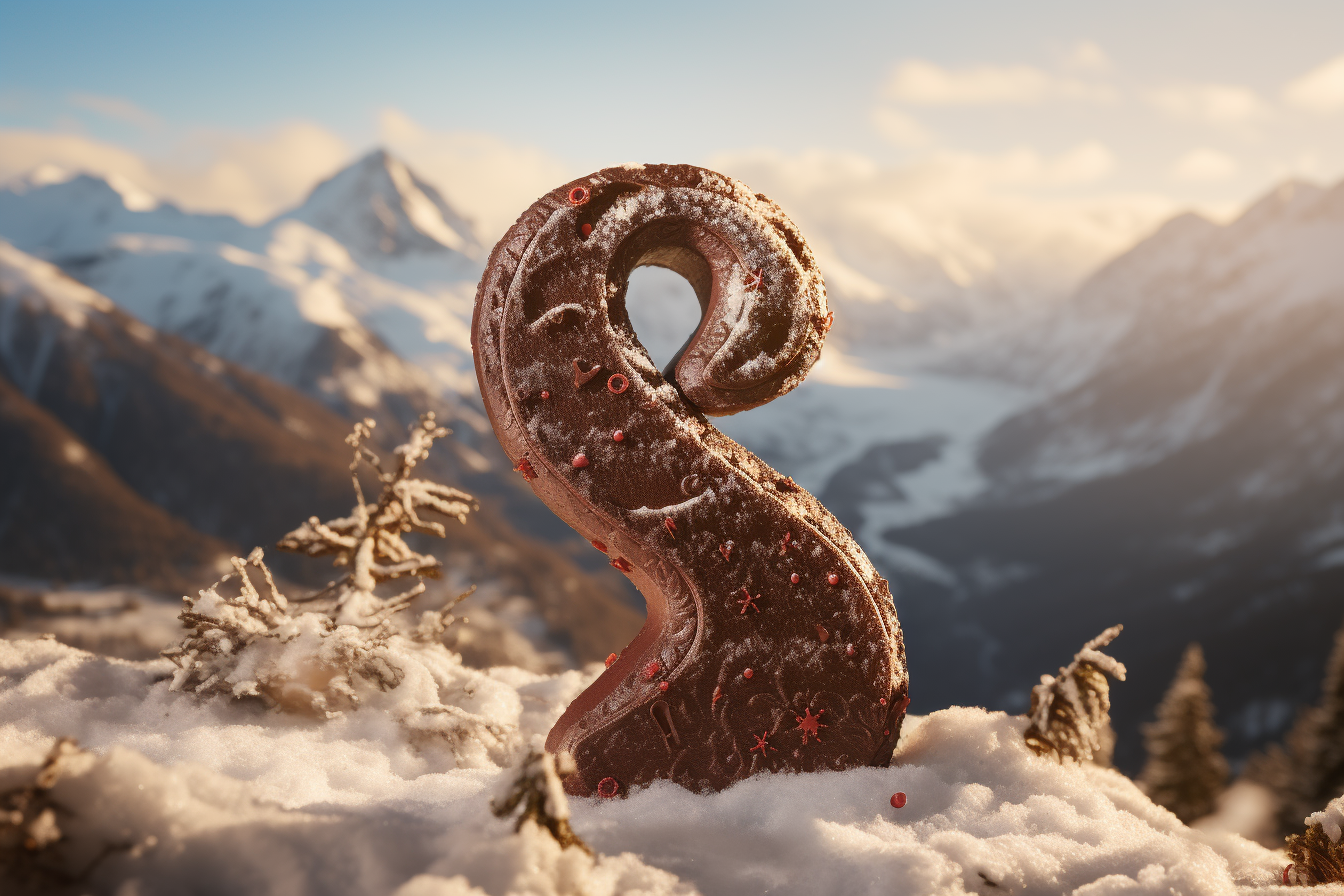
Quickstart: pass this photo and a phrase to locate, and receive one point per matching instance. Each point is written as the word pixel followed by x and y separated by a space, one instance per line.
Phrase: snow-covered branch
pixel 1070 714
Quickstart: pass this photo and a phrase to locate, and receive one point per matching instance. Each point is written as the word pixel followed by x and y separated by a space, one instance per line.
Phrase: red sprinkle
pixel 897 800
pixel 617 383
pixel 670 526
pixel 651 669
pixel 747 673
pixel 607 787
pixel 618 436
pixel 794 578
pixel 725 549
pixel 882 700
pixel 545 394
pixel 579 195
pixel 611 658
pixel 849 650
pixel 622 564
pixel 586 229
pixel 525 467
pixel 886 733
pixel 717 694
pixel 831 579
pixel 822 633
pixel 581 461
pixel 600 546
pixel 662 686
pixel 784 545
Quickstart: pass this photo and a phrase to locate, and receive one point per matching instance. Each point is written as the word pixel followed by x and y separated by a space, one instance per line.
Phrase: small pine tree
pixel 1185 771
pixel 1315 748
pixel 1070 714
pixel 540 793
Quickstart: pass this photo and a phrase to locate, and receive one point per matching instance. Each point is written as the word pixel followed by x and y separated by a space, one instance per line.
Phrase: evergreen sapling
pixel 1070 713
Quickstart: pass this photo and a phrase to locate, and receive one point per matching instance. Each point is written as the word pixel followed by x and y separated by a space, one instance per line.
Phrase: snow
pixel 258 801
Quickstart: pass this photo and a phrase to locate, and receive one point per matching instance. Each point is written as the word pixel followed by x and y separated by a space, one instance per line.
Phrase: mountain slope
pixel 239 457
pixel 1190 483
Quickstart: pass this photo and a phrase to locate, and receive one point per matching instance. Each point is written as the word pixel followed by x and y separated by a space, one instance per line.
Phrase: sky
pixel 982 125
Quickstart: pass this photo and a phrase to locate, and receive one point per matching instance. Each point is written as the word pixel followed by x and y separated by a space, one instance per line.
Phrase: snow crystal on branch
pixel 1070 714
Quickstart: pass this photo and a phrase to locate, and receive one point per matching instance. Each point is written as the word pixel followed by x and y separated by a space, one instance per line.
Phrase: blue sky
pixel 1139 108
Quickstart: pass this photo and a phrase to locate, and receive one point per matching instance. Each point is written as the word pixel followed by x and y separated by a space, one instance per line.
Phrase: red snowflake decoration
pixel 810 724
pixel 748 601
pixel 762 743
pixel 755 279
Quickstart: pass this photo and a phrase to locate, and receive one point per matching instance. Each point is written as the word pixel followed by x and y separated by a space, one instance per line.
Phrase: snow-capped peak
pixel 31 280
pixel 379 208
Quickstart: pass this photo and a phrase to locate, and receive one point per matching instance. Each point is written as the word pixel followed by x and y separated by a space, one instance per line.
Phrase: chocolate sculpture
pixel 771 642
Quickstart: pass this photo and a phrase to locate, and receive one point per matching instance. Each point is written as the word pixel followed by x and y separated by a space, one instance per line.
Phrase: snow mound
pixel 241 799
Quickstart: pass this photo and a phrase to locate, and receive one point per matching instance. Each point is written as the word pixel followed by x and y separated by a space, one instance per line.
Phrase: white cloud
pixel 115 108
pixel 1086 56
pixel 1203 165
pixel 900 129
pixel 1221 104
pixel 487 179
pixel 1320 90
pixel 252 176
pixel 895 233
pixel 920 82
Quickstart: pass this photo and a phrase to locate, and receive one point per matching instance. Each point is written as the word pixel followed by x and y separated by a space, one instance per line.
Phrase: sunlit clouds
pixel 1320 90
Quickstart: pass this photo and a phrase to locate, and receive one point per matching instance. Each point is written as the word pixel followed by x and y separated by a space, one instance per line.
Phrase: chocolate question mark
pixel 771 642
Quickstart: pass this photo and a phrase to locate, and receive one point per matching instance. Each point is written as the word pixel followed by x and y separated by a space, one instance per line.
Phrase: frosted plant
pixel 1070 714
pixel 1185 771
pixel 539 790
pixel 32 857
pixel 333 651
pixel 1318 852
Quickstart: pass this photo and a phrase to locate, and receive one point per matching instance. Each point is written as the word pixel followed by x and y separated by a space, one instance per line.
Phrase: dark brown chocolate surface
pixel 739 669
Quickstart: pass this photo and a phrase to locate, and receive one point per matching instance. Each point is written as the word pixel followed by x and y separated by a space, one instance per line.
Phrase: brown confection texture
pixel 771 642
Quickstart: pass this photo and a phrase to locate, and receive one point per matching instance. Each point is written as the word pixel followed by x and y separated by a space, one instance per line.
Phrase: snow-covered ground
pixel 240 799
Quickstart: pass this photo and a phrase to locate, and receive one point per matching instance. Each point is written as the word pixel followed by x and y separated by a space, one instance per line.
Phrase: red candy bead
pixel 618 436
pixel 882 700
pixel 651 669
pixel 849 650
pixel 600 546
pixel 662 686
pixel 897 800
pixel 794 578
pixel 747 673
pixel 611 658
pixel 607 787
pixel 831 579
pixel 545 394
pixel 586 229
pixel 580 460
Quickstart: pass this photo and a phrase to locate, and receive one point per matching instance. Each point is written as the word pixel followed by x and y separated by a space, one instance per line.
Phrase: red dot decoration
pixel 886 733
pixel 795 578
pixel 545 393
pixel 580 460
pixel 747 673
pixel 617 383
pixel 586 229
pixel 607 787
pixel 579 195
pixel 849 650
pixel 618 436
pixel 599 545
pixel 611 658
pixel 662 686
pixel 831 579
pixel 897 800
pixel 882 700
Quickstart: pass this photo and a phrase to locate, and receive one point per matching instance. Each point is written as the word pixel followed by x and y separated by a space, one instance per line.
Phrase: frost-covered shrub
pixel 1070 714
pixel 1318 852
pixel 36 854
pixel 540 792
pixel 332 651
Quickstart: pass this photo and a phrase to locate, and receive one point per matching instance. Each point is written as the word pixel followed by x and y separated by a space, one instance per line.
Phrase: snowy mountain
pixel 1186 479
pixel 135 457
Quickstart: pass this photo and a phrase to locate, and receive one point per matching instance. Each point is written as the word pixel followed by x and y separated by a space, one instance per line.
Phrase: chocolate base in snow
pixel 771 642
